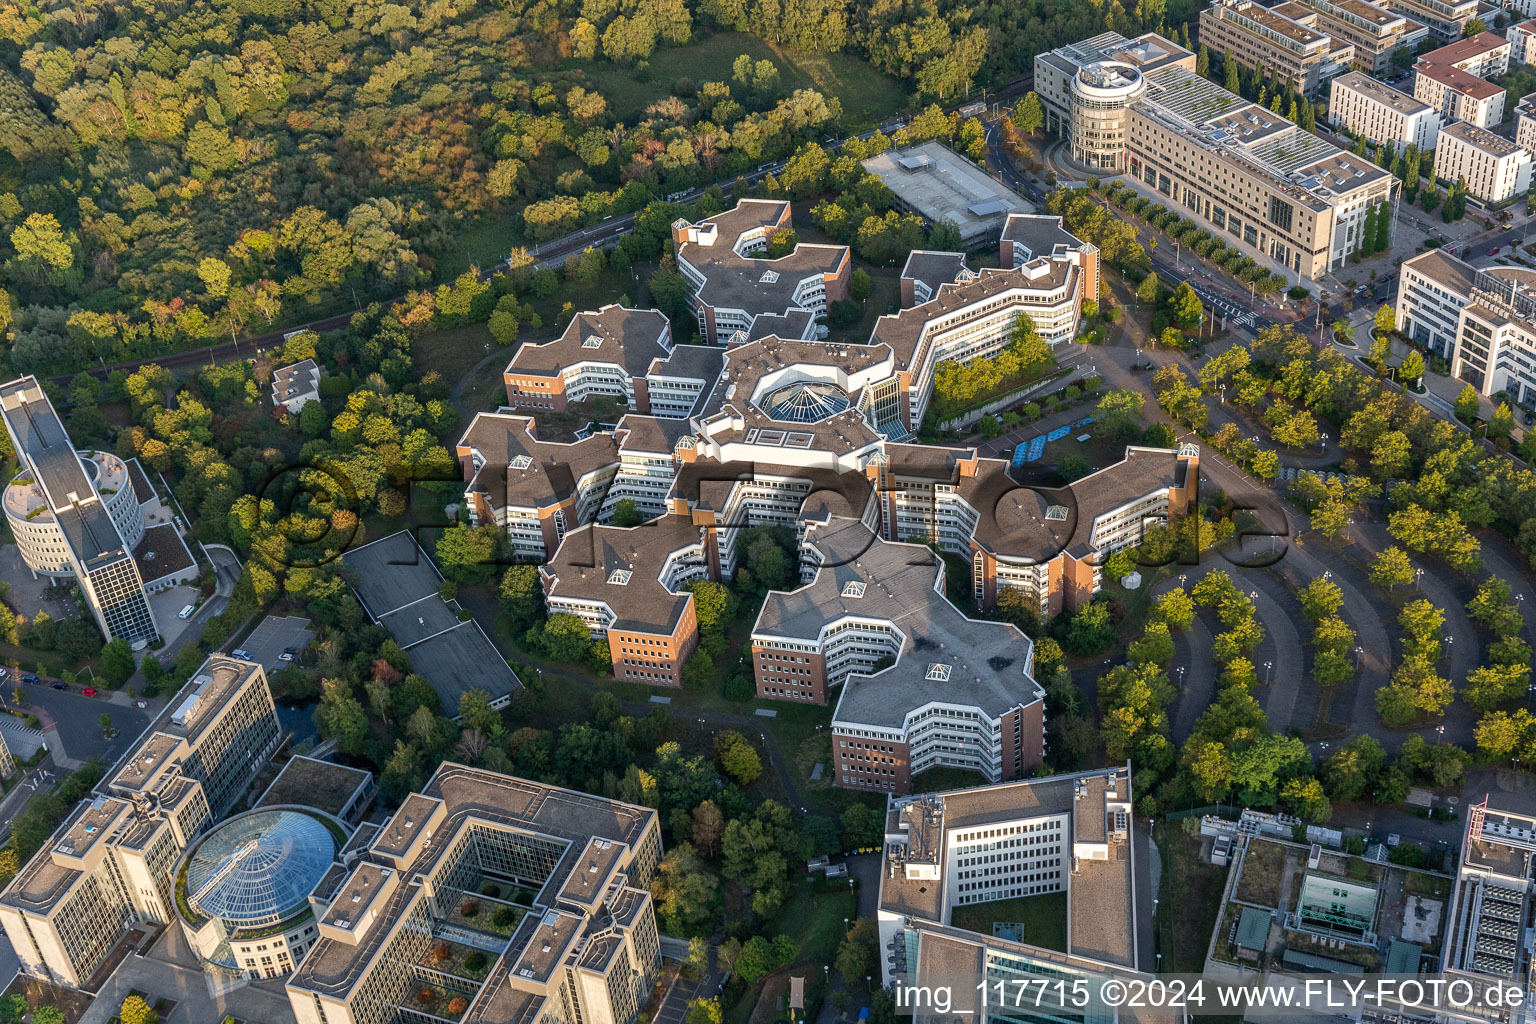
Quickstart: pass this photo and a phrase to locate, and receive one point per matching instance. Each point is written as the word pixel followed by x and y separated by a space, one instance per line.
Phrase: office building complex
pixel 1300 56
pixel 1483 321
pixel 1069 834
pixel 111 864
pixel 1376 33
pixel 1229 164
pixel 1381 113
pixel 1432 289
pixel 242 890
pixel 1493 168
pixel 548 883
pixel 922 685
pixel 1490 908
pixel 1445 19
pixel 623 354
pixel 1029 237
pixel 628 586
pixel 1087 90
pixel 733 282
pixel 75 514
pixel 535 490
pixel 1485 55
pixel 1458 95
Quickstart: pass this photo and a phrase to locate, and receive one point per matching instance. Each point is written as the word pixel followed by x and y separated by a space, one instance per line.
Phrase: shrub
pixel 503 917
pixel 470 909
pixel 426 995
pixel 475 961
pixel 457 1005
pixel 491 889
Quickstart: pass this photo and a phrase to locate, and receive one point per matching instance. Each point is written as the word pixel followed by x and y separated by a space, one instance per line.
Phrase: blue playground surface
pixel 1032 449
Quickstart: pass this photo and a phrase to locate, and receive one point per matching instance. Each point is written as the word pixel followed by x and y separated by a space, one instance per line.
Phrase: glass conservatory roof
pixel 805 401
pixel 258 868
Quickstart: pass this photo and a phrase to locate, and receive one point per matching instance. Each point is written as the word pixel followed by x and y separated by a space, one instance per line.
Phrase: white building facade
pixel 1494 168
pixel 1380 113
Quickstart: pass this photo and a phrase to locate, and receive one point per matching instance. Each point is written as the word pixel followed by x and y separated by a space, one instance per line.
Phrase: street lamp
pixel 1358 651
pixel 1416 574
pixel 1267 666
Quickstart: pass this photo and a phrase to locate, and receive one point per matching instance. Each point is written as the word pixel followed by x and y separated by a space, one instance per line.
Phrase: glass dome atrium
pixel 805 401
pixel 259 868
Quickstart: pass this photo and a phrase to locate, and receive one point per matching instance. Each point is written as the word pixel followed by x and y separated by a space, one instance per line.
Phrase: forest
pixel 176 173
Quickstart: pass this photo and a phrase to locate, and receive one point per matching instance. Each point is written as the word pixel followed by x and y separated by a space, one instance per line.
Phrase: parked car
pixel 288 654
pixel 186 613
pixel 140 704
pixel 29 678
pixel 89 691
pixel 1494 251
pixel 242 654
pixel 60 685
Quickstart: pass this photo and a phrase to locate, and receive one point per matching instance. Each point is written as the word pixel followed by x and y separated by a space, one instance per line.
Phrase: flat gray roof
pixel 397 584
pixel 946 186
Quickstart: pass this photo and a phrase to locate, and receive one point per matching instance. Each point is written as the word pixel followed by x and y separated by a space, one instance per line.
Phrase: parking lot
pixel 167 606
pixel 675 1007
pixel 275 635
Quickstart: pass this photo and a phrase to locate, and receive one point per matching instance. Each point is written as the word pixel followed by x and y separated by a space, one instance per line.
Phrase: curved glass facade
pixel 259 868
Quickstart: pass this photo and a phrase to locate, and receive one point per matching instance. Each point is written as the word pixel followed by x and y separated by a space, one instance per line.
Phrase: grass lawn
pixel 1192 901
pixel 867 96
pixel 1044 918
pixel 1262 872
pixel 942 778
pixel 813 916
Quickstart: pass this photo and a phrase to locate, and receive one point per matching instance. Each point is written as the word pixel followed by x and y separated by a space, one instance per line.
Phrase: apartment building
pixel 1525 123
pixel 110 865
pixel 1068 834
pixel 1494 168
pixel 1380 113
pixel 1485 55
pixel 628 586
pixel 1230 165
pixel 623 354
pixel 1458 96
pixel 1489 908
pixel 535 490
pixel 920 683
pixel 1522 42
pixel 473 856
pixel 733 282
pixel 64 522
pixel 296 385
pixel 1484 321
pixel 1375 32
pixel 1294 53
pixel 1445 19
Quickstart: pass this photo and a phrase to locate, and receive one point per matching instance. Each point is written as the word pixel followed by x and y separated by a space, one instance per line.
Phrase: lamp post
pixel 1416 574
pixel 1267 666
pixel 1358 651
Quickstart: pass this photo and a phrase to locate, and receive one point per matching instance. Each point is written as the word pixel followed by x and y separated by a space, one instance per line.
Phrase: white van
pixel 186 613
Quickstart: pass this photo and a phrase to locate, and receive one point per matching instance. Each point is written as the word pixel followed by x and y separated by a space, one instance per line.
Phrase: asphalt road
pixel 75 718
